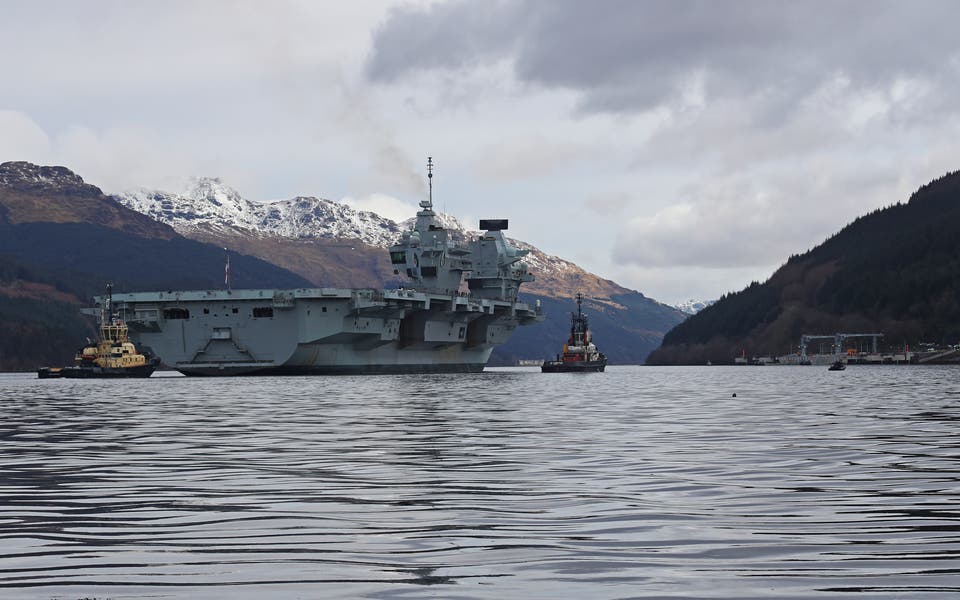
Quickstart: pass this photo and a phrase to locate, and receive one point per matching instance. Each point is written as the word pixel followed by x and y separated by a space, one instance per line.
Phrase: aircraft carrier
pixel 433 325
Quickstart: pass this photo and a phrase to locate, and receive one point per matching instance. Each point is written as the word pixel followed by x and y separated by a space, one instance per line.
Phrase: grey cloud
pixel 525 157
pixel 608 204
pixel 444 35
pixel 734 221
pixel 626 56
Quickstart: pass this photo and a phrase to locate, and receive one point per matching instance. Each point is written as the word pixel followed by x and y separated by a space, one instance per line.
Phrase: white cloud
pixel 21 138
pixel 385 206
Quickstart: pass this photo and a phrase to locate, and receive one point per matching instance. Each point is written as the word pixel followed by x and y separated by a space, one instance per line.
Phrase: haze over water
pixel 641 482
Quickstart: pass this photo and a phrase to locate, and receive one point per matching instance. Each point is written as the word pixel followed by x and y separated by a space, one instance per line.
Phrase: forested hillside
pixel 895 270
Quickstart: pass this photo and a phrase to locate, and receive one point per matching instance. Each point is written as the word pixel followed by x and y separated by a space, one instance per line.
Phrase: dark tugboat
pixel 113 355
pixel 838 365
pixel 580 355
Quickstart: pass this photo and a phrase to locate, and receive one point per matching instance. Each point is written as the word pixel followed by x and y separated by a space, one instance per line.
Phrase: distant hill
pixel 895 270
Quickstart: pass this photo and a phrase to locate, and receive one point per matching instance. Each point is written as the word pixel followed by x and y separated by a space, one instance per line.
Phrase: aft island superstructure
pixel 433 325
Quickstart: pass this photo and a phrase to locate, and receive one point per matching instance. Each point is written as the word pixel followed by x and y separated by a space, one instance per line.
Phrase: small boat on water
pixel 580 355
pixel 113 355
pixel 838 365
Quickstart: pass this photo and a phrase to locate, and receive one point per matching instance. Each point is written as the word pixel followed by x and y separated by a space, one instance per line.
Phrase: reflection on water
pixel 639 482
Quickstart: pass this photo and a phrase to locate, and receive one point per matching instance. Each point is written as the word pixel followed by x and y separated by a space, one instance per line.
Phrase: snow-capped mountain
pixel 209 204
pixel 692 307
pixel 210 209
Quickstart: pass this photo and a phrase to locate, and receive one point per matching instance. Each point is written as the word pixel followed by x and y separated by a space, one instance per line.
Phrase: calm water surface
pixel 640 482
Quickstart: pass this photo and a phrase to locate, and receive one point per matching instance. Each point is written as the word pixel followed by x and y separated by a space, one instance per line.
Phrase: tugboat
pixel 580 355
pixel 113 355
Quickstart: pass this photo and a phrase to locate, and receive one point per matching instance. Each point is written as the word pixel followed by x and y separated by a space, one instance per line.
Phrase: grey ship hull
pixel 320 330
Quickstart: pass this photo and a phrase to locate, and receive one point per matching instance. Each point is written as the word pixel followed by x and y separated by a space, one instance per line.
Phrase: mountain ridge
pixel 209 204
pixel 25 187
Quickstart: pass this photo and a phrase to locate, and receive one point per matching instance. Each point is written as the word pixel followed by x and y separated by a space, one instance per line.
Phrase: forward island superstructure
pixel 435 324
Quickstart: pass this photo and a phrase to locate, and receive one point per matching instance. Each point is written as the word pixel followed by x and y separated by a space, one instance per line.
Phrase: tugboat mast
pixel 106 313
pixel 578 325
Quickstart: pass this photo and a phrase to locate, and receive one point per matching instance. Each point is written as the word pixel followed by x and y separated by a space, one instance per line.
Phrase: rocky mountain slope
pixel 895 271
pixel 208 205
pixel 25 197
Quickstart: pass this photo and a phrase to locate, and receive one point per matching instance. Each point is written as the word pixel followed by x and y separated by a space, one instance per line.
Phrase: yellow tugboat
pixel 112 355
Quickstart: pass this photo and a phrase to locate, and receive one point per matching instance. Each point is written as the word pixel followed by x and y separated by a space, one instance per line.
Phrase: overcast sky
pixel 680 148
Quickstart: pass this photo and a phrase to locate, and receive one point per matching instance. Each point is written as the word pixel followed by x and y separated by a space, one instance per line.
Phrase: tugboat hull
pixel 593 366
pixel 97 372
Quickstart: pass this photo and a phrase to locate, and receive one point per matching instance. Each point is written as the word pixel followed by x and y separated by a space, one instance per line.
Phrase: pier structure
pixel 839 339
pixel 926 354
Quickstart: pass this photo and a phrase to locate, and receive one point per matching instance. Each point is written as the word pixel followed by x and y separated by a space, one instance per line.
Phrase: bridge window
pixel 398 258
pixel 176 313
pixel 261 312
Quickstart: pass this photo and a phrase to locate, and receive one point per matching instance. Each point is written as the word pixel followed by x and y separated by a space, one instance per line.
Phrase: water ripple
pixel 636 483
